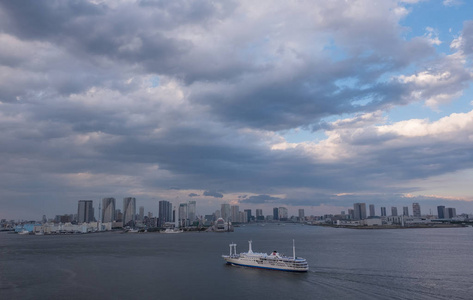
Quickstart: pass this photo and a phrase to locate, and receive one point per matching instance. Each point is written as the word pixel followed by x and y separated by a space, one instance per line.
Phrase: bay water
pixel 344 264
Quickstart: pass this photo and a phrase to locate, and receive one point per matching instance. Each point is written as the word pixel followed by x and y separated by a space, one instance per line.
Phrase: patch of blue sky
pixel 154 80
pixel 446 21
pixel 349 82
pixel 362 101
pixel 335 52
pixel 418 110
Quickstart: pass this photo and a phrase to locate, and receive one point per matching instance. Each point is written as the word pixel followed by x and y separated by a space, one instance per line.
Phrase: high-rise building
pixel 301 214
pixel 372 212
pixel 235 213
pixel 183 214
pixel 248 215
pixel 225 211
pixel 450 213
pixel 108 210
pixel 191 211
pixel 142 213
pixel 351 214
pixel 275 213
pixel 416 210
pixel 383 211
pixel 129 211
pixel 283 214
pixel 441 212
pixel 405 211
pixel 359 210
pixel 165 212
pixel 394 211
pixel 242 217
pixel 259 214
pixel 85 211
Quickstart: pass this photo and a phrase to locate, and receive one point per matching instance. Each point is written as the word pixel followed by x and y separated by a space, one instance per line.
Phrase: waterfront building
pixel 441 212
pixel 351 214
pixel 275 213
pixel 225 211
pixel 416 210
pixel 191 208
pixel 259 214
pixel 301 214
pixel 450 213
pixel 235 213
pixel 183 214
pixel 242 217
pixel 383 211
pixel 405 211
pixel 283 214
pixel 248 215
pixel 129 211
pixel 108 210
pixel 164 213
pixel 359 210
pixel 85 211
pixel 394 211
pixel 372 213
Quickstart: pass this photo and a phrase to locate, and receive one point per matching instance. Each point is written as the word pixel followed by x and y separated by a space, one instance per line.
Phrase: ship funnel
pixel 249 247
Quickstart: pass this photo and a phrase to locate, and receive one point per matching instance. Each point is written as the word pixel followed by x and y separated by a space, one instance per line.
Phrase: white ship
pixel 273 261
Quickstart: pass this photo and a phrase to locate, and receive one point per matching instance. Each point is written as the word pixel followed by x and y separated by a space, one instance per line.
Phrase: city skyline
pixel 311 105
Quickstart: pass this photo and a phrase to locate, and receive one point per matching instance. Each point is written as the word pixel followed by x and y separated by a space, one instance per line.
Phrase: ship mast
pixel 293 249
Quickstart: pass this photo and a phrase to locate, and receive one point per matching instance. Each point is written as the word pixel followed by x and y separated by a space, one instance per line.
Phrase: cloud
pixel 214 194
pixel 159 99
pixel 261 199
pixel 193 195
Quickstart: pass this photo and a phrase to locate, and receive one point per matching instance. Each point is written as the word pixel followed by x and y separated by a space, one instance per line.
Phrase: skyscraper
pixel 259 214
pixel 235 213
pixel 129 211
pixel 275 213
pixel 383 211
pixel 394 211
pixel 283 215
pixel 441 212
pixel 191 211
pixel 248 214
pixel 450 213
pixel 301 214
pixel 85 211
pixel 359 210
pixel 165 212
pixel 416 210
pixel 225 211
pixel 183 214
pixel 405 211
pixel 142 213
pixel 108 210
pixel 372 213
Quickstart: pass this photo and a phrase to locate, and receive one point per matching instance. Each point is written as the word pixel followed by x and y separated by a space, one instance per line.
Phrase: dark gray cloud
pixel 214 194
pixel 261 199
pixel 193 195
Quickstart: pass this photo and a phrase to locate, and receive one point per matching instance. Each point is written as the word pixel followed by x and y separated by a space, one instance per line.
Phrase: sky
pixel 303 104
